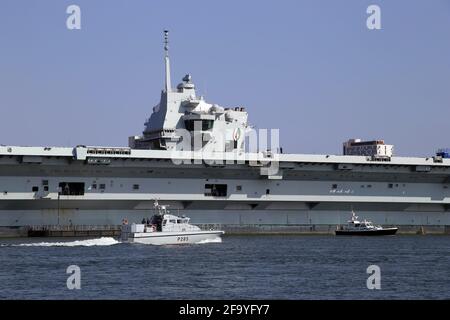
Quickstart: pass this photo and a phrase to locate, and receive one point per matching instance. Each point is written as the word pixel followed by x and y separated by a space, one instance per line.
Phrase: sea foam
pixel 103 241
pixel 215 240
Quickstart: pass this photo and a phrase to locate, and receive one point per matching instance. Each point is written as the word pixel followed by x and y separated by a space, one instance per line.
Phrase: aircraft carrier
pixel 197 157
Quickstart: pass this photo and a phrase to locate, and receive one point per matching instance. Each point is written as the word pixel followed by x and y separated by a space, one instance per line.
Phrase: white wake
pixel 103 241
pixel 215 240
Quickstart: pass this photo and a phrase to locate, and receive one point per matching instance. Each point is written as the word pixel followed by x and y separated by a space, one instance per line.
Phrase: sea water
pixel 238 267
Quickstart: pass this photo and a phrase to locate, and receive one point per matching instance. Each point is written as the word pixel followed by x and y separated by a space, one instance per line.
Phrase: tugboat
pixel 166 229
pixel 355 227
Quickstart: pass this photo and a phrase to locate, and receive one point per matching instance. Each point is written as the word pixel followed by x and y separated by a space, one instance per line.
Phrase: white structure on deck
pixel 184 121
pixel 376 148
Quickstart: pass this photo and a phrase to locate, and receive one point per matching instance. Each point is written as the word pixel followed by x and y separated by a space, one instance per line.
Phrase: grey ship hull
pixel 308 193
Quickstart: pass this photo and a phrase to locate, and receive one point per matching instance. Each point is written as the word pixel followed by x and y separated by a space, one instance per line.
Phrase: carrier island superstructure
pixel 261 191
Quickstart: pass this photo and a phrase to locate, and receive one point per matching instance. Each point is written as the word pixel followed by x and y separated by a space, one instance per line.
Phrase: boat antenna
pixel 354 217
pixel 167 60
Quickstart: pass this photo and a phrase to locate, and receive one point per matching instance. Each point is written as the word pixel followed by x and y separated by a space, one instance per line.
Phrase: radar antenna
pixel 167 61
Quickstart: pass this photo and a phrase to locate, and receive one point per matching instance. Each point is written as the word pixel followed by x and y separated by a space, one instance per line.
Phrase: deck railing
pixel 73 227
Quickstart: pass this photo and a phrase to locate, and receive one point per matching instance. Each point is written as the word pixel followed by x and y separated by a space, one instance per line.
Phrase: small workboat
pixel 355 227
pixel 166 229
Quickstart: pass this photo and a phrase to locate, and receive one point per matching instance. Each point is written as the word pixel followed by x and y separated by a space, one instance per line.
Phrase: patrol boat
pixel 355 227
pixel 166 229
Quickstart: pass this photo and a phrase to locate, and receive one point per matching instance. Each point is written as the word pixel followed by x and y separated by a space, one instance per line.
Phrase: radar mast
pixel 167 61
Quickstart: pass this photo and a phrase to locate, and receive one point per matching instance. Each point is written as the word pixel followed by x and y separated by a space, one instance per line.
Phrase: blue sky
pixel 310 68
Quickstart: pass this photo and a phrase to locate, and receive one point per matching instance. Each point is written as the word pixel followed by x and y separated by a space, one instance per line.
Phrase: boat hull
pixel 171 238
pixel 383 232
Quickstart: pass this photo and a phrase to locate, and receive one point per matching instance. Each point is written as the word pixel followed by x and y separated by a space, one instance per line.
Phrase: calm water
pixel 252 267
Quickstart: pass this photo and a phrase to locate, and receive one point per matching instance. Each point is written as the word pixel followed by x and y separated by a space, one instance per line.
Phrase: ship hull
pixel 267 221
pixel 173 238
pixel 308 193
pixel 205 213
pixel 383 232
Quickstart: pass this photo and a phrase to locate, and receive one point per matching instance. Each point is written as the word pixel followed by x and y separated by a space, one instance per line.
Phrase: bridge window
pixel 135 187
pixel 203 124
pixel 35 189
pixel 334 186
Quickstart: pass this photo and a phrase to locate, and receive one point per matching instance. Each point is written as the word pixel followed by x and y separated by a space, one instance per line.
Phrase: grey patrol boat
pixel 167 229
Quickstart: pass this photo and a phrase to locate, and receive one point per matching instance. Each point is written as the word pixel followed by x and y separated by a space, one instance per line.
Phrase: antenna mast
pixel 167 61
